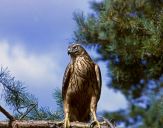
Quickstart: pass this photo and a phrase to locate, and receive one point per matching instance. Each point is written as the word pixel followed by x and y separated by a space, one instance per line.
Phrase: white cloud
pixel 41 73
pixel 27 66
pixel 110 100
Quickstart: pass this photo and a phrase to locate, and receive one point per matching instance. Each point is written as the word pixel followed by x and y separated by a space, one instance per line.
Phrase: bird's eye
pixel 75 47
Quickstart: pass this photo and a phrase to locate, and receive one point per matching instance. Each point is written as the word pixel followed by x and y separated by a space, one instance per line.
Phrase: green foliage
pixel 154 115
pixel 129 35
pixel 24 104
pixel 43 113
pixel 59 100
pixel 14 92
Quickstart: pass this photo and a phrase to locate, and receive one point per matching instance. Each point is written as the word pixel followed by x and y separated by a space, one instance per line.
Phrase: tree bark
pixel 7 114
pixel 47 124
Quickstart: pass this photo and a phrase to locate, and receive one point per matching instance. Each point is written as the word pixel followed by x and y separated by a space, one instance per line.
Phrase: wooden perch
pixel 13 123
pixel 47 124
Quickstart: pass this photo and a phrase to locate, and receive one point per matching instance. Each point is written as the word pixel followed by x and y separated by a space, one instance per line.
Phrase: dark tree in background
pixel 129 36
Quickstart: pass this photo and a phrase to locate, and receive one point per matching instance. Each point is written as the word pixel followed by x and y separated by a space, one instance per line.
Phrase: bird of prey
pixel 81 87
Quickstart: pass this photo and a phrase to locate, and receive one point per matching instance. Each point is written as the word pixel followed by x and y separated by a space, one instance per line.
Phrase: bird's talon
pixel 95 123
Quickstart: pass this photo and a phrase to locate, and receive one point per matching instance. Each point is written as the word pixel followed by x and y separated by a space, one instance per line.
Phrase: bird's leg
pixel 95 121
pixel 67 117
pixel 93 112
pixel 67 121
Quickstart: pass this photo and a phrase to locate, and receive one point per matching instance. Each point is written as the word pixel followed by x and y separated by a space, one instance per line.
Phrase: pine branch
pixel 28 110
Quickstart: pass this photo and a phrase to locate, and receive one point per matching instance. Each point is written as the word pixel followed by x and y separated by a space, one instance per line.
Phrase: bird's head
pixel 75 50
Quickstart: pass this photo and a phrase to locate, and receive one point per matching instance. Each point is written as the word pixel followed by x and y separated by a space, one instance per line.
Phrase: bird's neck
pixel 80 58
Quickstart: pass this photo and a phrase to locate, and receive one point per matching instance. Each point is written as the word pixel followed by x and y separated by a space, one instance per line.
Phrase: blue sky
pixel 34 35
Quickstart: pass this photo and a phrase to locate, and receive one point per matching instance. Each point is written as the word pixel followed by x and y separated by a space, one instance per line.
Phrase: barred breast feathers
pixel 83 66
